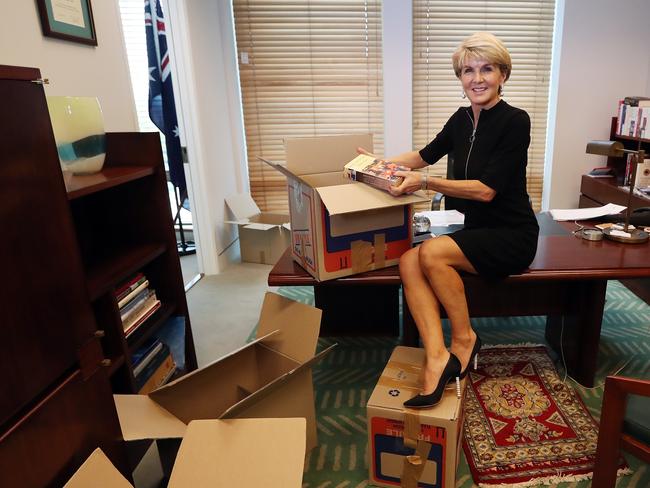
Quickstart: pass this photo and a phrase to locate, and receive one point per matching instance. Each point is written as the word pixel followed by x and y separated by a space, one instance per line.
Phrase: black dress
pixel 499 237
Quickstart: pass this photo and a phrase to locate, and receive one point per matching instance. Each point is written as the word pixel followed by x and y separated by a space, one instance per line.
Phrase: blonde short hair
pixel 486 46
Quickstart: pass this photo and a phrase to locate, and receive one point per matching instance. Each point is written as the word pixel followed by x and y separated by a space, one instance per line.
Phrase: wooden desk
pixel 566 282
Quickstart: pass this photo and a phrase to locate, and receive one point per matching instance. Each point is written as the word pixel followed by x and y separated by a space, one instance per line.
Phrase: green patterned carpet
pixel 345 379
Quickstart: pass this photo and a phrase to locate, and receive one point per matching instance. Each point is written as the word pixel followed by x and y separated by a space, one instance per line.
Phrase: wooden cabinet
pixel 64 249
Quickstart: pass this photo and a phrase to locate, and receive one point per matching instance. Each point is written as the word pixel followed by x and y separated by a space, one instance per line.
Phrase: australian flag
pixel 162 110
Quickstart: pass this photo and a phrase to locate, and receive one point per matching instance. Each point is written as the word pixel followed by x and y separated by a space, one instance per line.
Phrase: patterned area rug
pixel 344 380
pixel 522 424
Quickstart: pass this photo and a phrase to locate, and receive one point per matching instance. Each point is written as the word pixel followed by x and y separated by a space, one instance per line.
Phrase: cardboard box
pixel 217 453
pixel 387 417
pixel 263 236
pixel 341 227
pixel 267 378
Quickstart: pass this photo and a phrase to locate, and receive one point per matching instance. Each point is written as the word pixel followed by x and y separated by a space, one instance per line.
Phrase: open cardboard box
pixel 267 378
pixel 341 227
pixel 245 453
pixel 263 236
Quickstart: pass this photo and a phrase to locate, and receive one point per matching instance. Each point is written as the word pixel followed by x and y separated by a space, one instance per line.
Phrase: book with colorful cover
pixel 132 294
pixel 374 172
pixel 129 285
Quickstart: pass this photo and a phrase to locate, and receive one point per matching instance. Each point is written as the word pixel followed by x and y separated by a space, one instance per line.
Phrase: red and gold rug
pixel 523 426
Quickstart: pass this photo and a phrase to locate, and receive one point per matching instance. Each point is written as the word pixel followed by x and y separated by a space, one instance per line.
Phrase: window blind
pixel 524 26
pixel 307 68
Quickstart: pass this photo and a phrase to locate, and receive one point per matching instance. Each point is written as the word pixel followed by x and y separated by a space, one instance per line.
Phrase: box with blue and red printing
pixel 341 227
pixel 439 426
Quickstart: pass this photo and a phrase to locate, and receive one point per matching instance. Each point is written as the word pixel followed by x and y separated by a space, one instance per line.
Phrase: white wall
pixel 205 53
pixel 604 56
pixel 73 69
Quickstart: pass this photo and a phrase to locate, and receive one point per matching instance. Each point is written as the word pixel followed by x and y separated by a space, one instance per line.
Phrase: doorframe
pixel 190 133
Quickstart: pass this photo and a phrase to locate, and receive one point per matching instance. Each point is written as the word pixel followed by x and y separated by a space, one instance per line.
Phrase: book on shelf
pixel 138 318
pixel 135 304
pixel 129 285
pixel 140 363
pixel 132 294
pixel 374 172
pixel 642 179
pixel 156 371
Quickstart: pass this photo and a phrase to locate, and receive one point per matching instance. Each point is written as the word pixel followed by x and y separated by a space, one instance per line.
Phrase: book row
pixel 136 302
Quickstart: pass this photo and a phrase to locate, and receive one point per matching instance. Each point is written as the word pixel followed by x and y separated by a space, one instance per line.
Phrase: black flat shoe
pixel 451 372
pixel 473 358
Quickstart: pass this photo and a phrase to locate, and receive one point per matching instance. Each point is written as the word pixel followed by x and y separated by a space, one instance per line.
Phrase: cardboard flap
pixel 246 453
pixel 98 471
pixel 266 390
pixel 299 325
pixel 260 226
pixel 242 206
pixel 286 172
pixel 142 418
pixel 203 385
pixel 308 155
pixel 357 198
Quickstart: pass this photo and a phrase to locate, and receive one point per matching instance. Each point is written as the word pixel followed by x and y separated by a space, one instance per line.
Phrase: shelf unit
pixel 124 225
pixel 65 246
pixel 629 143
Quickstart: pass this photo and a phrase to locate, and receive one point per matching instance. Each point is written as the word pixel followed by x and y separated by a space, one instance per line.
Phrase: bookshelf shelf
pixel 141 333
pixel 79 186
pixel 108 272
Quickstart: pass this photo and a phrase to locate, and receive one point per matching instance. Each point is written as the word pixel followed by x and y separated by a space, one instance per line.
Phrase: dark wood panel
pixel 46 446
pixel 46 314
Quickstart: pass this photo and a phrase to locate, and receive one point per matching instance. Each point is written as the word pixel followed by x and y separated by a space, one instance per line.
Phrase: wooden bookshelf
pixel 66 246
pixel 124 226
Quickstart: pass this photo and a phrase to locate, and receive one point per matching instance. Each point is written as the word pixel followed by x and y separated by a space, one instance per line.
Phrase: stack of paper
pixel 586 213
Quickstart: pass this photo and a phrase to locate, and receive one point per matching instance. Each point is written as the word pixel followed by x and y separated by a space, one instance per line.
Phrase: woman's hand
pixel 412 183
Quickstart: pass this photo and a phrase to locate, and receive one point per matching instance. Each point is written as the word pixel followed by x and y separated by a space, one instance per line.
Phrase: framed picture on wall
pixel 71 20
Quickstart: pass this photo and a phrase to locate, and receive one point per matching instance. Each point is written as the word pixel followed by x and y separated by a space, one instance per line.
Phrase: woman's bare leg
pixel 440 260
pixel 425 309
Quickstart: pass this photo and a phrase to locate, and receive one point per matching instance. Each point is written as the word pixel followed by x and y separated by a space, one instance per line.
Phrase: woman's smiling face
pixel 481 80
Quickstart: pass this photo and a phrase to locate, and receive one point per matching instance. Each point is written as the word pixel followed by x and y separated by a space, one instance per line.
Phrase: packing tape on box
pixel 414 465
pixel 361 256
pixel 411 427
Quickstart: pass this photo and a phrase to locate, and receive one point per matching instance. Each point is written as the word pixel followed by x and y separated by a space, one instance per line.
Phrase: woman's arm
pixel 468 189
pixel 411 159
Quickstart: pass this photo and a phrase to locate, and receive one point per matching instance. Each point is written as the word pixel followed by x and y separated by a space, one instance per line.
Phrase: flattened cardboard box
pixel 263 236
pixel 217 453
pixel 341 227
pixel 267 378
pixel 387 417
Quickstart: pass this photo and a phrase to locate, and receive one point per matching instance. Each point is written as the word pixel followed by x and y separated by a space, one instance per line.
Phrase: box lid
pixel 299 326
pixel 399 381
pixel 142 418
pixel 243 453
pixel 97 471
pixel 242 206
pixel 343 199
pixel 324 154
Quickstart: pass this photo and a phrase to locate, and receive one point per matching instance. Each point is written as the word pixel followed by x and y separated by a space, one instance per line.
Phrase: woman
pixel 489 142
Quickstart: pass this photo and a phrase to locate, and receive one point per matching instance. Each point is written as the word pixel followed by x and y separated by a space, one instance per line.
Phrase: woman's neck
pixel 476 109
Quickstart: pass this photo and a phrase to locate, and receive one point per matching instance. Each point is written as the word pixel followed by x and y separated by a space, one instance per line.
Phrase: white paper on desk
pixel 586 213
pixel 443 218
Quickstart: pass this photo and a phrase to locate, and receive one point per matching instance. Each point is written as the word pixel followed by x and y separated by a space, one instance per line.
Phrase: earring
pixel 500 90
pixel 463 95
